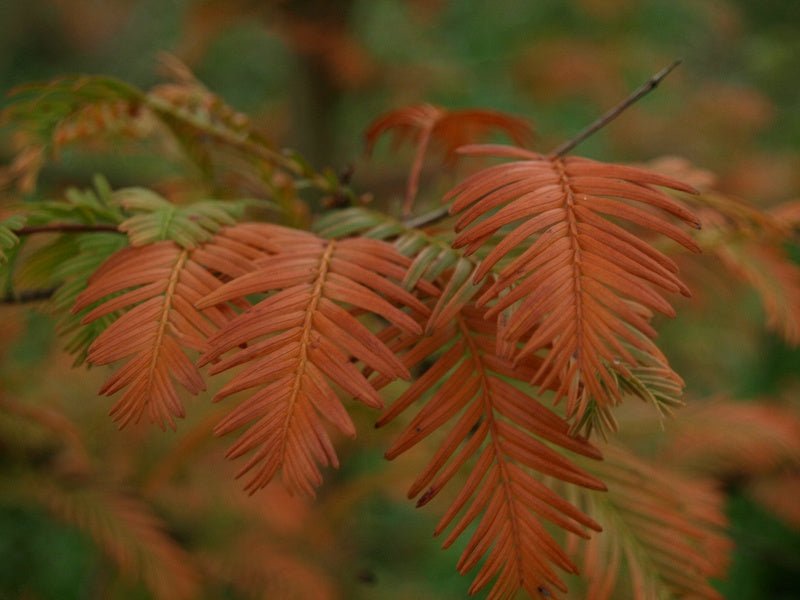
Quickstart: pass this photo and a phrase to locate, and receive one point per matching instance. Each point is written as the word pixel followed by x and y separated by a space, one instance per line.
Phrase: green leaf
pixel 40 108
pixel 432 256
pixel 91 206
pixel 90 250
pixel 8 239
pixel 158 219
pixel 651 380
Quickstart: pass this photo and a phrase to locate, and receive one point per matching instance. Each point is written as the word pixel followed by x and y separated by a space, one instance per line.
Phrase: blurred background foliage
pixel 312 74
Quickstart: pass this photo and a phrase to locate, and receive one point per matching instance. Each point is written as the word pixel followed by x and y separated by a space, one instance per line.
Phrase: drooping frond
pixel 41 109
pixel 85 255
pixel 432 257
pixel 128 532
pixel 776 279
pixel 650 380
pixel 156 219
pixel 507 436
pixel 425 123
pixel 583 287
pixel 8 238
pixel 216 138
pixel 299 341
pixel 662 533
pixel 722 438
pixel 48 115
pixel 90 206
pixel 155 288
pixel 751 244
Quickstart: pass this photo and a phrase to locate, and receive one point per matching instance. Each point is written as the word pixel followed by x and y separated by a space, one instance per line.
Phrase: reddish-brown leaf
pixel 157 286
pixel 662 532
pixel 576 293
pixel 505 435
pixel 422 124
pixel 300 341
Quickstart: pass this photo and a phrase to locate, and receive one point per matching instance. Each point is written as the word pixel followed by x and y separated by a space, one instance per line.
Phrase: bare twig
pixel 67 228
pixel 617 110
pixel 441 213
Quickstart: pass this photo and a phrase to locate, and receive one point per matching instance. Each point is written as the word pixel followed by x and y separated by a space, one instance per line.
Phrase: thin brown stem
pixel 67 228
pixel 27 296
pixel 616 111
pixel 416 168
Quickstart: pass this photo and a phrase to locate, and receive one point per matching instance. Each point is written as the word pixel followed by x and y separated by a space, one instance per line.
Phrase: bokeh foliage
pixel 312 74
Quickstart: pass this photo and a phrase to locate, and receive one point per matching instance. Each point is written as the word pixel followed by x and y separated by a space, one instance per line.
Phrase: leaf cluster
pixel 538 288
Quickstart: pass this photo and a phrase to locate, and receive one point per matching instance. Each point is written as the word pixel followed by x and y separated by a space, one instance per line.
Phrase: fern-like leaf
pixel 650 380
pixel 41 108
pixel 662 533
pixel 722 438
pixel 750 243
pixel 508 434
pixel 431 255
pixel 158 219
pixel 85 255
pixel 90 206
pixel 127 530
pixel 579 289
pixel 424 123
pixel 156 286
pixel 300 340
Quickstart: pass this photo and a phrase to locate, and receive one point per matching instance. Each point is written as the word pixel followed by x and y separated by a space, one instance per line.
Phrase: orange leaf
pixel 301 339
pixel 581 286
pixel 424 123
pixel 505 434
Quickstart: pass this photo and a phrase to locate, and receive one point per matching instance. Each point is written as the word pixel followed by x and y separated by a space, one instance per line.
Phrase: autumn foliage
pixel 521 321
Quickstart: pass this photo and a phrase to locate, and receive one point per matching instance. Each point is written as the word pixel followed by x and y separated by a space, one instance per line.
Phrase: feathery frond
pixel 507 433
pixel 722 438
pixel 126 529
pixel 776 279
pixel 425 123
pixel 432 256
pixel 156 285
pixel 40 109
pixel 158 219
pixel 300 340
pixel 662 533
pixel 90 206
pixel 85 255
pixel 751 244
pixel 582 288
pixel 651 380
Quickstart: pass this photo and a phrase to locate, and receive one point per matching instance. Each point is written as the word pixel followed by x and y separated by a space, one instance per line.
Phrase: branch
pixel 441 213
pixel 250 143
pixel 612 114
pixel 67 228
pixel 26 296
